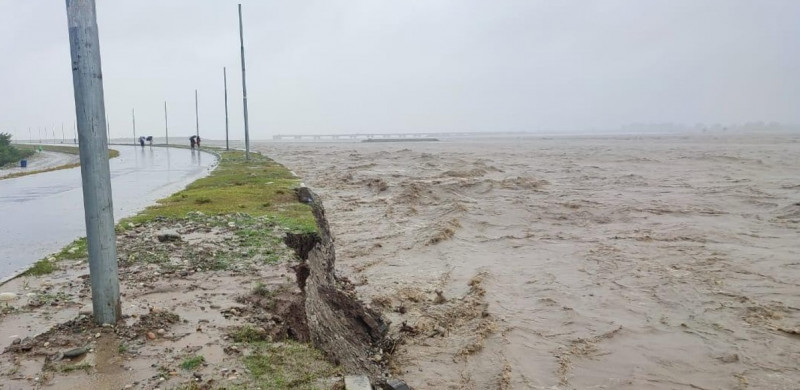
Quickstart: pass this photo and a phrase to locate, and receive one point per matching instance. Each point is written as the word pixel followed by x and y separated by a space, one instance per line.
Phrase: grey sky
pixel 377 66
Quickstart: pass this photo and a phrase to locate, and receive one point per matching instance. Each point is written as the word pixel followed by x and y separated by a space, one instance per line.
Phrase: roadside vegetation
pixel 252 195
pixel 28 150
pixel 9 153
pixel 287 365
pixel 242 211
pixel 259 187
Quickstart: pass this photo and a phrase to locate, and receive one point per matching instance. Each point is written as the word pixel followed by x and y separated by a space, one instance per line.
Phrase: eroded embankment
pixel 351 334
pixel 211 299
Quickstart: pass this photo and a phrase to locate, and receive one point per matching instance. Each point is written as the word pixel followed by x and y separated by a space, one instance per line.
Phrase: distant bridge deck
pixel 280 137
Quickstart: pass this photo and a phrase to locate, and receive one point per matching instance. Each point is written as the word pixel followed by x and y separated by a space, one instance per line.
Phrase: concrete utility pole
pixel 166 123
pixel 63 137
pixel 196 116
pixel 90 109
pixel 225 81
pixel 133 114
pixel 108 129
pixel 244 92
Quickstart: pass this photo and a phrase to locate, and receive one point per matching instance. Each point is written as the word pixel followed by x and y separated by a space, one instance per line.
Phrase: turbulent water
pixel 638 262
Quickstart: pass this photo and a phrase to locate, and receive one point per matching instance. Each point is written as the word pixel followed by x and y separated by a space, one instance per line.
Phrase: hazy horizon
pixel 371 67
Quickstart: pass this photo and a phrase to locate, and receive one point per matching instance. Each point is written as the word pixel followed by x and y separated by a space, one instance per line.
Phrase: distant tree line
pixel 8 153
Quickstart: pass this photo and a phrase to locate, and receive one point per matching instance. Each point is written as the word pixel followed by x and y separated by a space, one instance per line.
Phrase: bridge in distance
pixel 280 137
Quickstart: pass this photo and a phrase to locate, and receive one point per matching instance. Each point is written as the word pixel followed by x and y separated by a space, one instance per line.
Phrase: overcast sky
pixel 323 66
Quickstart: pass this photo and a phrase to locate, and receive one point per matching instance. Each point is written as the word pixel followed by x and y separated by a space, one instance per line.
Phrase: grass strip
pixel 112 153
pixel 287 365
pixel 258 187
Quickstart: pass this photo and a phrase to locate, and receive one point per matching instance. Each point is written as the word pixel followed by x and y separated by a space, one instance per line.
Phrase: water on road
pixel 39 214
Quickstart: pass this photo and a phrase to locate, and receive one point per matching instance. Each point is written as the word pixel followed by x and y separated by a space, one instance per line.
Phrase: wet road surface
pixel 40 214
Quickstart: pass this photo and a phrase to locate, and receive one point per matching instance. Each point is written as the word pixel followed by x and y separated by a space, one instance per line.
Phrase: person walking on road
pixel 193 141
pixel 141 141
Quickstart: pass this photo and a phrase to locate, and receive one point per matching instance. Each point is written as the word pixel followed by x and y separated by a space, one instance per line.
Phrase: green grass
pixel 52 148
pixel 260 187
pixel 192 362
pixel 248 334
pixel 257 187
pixel 78 367
pixel 41 267
pixel 78 249
pixel 62 149
pixel 287 365
pixel 262 290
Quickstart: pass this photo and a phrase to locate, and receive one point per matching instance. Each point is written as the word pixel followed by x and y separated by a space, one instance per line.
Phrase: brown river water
pixel 659 262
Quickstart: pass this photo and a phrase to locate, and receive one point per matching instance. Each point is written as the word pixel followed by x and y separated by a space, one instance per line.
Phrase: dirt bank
pixel 208 300
pixel 627 262
pixel 207 297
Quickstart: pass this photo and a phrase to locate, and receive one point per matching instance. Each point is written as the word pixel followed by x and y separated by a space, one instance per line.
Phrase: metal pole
pixel 133 114
pixel 166 123
pixel 225 81
pixel 244 92
pixel 97 201
pixel 196 116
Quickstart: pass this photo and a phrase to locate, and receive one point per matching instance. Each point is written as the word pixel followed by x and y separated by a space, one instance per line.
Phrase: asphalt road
pixel 40 214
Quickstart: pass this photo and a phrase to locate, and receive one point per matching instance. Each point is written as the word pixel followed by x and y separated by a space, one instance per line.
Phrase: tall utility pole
pixel 244 91
pixel 63 137
pixel 133 115
pixel 97 201
pixel 75 131
pixel 30 136
pixel 196 116
pixel 225 81
pixel 108 129
pixel 166 123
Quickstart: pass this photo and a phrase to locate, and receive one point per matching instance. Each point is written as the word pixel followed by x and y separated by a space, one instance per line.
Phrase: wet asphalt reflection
pixel 41 213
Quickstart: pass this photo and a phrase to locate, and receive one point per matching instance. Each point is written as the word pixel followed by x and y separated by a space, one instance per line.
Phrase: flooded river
pixel 639 262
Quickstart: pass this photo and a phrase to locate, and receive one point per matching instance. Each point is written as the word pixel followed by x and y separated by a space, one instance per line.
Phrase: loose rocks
pixel 168 235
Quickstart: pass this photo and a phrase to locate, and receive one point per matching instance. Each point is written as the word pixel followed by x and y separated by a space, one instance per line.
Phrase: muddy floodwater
pixel 658 262
pixel 41 213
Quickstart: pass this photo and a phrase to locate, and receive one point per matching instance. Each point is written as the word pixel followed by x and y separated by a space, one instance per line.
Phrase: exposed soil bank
pixel 208 294
pixel 351 334
pixel 209 301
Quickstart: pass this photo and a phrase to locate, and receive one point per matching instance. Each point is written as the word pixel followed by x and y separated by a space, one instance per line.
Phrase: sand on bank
pixel 610 262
